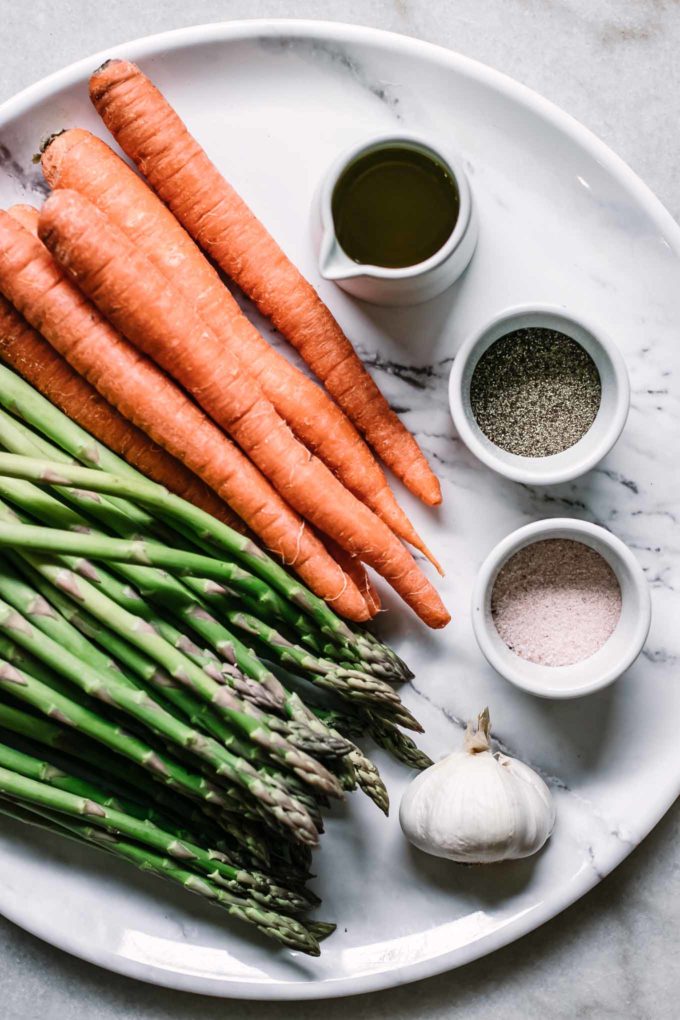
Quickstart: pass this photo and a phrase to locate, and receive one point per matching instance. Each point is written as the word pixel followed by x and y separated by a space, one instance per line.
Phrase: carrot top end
pixel 44 145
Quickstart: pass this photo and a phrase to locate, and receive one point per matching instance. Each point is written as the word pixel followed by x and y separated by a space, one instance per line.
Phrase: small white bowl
pixel 409 285
pixel 607 664
pixel 600 437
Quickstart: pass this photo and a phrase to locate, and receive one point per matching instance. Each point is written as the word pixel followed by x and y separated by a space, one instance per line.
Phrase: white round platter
pixel 562 221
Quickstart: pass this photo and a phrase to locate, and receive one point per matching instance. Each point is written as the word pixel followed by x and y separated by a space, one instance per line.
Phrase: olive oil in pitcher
pixel 395 206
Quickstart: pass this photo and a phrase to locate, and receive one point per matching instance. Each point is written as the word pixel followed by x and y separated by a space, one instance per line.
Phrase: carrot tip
pixel 435 563
pixel 416 541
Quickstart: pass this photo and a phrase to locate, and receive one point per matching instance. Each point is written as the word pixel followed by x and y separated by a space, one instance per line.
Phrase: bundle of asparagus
pixel 168 692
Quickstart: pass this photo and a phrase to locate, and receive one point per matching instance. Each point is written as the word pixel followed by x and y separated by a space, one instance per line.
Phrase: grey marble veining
pixel 612 955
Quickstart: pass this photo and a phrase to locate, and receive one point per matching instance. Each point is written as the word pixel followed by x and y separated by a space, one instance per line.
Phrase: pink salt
pixel 556 602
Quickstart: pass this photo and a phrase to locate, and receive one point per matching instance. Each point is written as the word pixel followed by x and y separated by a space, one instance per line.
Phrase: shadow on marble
pixel 483 885
pixel 418 343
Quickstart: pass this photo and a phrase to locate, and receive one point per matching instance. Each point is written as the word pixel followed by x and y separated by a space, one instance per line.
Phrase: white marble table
pixel 613 954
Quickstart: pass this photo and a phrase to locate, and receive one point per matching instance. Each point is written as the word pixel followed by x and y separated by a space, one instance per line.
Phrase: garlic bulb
pixel 477 807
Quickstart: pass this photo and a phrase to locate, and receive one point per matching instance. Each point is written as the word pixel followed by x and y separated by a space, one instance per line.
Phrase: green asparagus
pixel 36 796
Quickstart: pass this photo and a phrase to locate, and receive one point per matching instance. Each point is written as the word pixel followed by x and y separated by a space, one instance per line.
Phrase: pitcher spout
pixel 334 264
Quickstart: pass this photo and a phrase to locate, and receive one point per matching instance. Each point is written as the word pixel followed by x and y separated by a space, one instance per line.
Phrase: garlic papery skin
pixel 476 806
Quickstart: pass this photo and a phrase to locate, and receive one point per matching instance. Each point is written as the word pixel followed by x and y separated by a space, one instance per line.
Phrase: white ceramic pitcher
pixel 409 285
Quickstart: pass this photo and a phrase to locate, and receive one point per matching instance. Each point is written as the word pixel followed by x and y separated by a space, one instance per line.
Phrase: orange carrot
pixel 27 216
pixel 24 350
pixel 33 283
pixel 79 160
pixel 355 569
pixel 104 422
pixel 154 137
pixel 27 353
pixel 145 307
pixel 22 347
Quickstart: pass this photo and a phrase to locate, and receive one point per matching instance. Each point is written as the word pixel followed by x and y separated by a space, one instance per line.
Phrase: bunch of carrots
pixel 112 309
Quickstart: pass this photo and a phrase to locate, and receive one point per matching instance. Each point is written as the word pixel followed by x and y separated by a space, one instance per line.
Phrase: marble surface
pixel 612 954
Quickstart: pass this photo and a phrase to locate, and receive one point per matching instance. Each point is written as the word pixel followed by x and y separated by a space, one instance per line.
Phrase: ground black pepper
pixel 535 392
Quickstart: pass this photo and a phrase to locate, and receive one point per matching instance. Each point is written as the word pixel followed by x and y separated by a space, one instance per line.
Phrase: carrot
pixel 355 569
pixel 79 160
pixel 38 363
pixel 104 422
pixel 154 137
pixel 58 369
pixel 33 283
pixel 24 350
pixel 27 216
pixel 140 302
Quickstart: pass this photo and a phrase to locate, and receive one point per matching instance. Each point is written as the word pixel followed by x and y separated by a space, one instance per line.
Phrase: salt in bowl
pixel 612 659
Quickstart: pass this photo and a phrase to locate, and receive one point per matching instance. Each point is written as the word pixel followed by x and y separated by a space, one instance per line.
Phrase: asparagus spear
pixel 261 600
pixel 399 744
pixel 149 581
pixel 25 786
pixel 246 718
pixel 137 783
pixel 51 511
pixel 124 518
pixel 196 711
pixel 321 929
pixel 348 682
pixel 284 929
pixel 25 688
pixel 216 634
pixel 389 738
pixel 108 687
pixel 20 440
pixel 226 643
pixel 98 546
pixel 17 396
pixel 80 779
pixel 17 438
pixel 264 598
pixel 248 686
pixel 49 540
pixel 383 653
pixel 328 742
pixel 299 735
pixel 180 562
pixel 43 416
pixel 75 744
pixel 364 647
pixel 243 716
pixel 212 863
pixel 350 725
pixel 22 659
pixel 73 775
pixel 228 646
pixel 135 779
pixel 55 703
pixel 120 651
pixel 365 771
pixel 31 603
pixel 152 581
pixel 69 828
